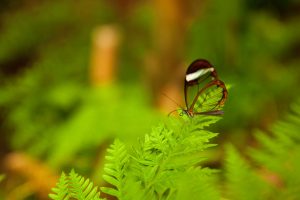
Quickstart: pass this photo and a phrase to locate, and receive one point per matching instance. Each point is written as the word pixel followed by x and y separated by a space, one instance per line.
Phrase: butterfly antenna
pixel 172 100
pixel 172 112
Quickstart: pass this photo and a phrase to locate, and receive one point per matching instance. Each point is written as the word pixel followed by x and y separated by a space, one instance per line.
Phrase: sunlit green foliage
pixel 241 178
pixel 274 172
pixel 49 99
pixel 116 170
pixel 61 190
pixel 280 155
pixel 73 186
pixel 253 47
pixel 163 165
pixel 50 111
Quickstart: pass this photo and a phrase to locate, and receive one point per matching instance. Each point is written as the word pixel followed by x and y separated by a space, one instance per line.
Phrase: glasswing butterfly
pixel 204 93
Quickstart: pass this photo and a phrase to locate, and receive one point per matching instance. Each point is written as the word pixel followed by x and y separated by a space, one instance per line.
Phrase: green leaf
pixel 241 178
pixel 74 186
pixel 116 169
pixel 61 191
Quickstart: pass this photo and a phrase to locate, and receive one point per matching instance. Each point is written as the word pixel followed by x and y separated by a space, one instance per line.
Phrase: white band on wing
pixel 197 74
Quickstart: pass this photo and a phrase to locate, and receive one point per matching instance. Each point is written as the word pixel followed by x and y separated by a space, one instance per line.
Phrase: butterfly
pixel 204 92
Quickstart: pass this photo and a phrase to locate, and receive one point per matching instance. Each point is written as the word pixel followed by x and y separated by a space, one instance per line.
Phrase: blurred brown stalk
pixel 104 55
pixel 27 177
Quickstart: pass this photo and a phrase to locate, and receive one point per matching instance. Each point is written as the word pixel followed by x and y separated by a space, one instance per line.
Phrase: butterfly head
pixel 189 113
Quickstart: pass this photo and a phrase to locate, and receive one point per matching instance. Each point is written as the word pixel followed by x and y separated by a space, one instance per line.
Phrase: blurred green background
pixel 76 75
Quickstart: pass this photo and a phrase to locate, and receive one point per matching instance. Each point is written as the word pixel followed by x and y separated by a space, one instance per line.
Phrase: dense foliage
pixel 166 164
pixel 161 164
pixel 54 117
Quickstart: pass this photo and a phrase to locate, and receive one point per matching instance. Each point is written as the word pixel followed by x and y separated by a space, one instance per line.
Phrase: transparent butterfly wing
pixel 210 99
pixel 198 75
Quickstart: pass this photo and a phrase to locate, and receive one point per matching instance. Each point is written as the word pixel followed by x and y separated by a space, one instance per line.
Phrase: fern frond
pixel 81 188
pixel 73 186
pixel 135 191
pixel 243 183
pixel 115 169
pixel 201 121
pixel 168 151
pixel 156 167
pixel 61 191
pixel 198 184
pixel 280 154
pixel 191 141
